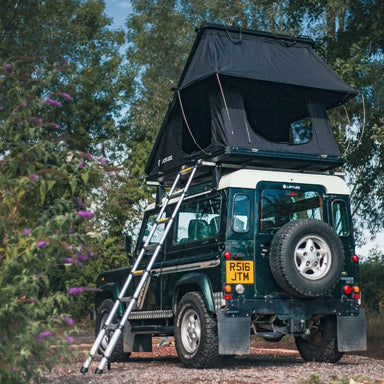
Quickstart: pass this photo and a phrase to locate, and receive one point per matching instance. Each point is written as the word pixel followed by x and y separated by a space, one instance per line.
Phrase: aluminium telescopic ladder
pixel 117 331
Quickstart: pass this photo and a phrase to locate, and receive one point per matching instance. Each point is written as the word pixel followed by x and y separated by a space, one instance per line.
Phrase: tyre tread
pixel 207 356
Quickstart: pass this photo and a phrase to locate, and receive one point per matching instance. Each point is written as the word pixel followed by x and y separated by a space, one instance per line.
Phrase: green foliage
pixel 110 255
pixel 44 185
pixel 74 35
pixel 372 282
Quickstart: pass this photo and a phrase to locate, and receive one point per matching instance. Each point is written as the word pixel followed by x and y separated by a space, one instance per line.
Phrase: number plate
pixel 239 271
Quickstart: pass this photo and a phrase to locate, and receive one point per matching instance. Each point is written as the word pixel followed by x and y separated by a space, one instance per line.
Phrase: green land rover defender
pixel 266 253
pixel 258 239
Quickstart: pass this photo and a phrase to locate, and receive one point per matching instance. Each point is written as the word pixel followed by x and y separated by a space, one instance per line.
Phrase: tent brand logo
pixel 291 186
pixel 165 160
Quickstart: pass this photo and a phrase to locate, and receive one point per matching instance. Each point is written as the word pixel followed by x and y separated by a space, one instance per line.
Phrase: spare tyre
pixel 306 258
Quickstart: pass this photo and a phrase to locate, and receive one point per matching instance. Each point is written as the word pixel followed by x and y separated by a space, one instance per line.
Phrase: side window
pixel 158 232
pixel 197 221
pixel 240 216
pixel 340 218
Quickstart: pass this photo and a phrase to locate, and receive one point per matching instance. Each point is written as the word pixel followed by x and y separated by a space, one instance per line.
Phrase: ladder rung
pixel 163 220
pixel 186 170
pixel 176 193
pixel 126 299
pixel 111 327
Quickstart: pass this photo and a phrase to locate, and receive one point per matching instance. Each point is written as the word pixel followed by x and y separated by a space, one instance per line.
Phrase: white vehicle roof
pixel 248 178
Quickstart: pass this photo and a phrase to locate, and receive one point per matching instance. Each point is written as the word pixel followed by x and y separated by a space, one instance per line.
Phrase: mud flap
pixel 351 333
pixel 134 342
pixel 234 334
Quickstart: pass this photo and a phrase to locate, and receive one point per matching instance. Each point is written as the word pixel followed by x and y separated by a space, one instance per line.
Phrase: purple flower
pixel 1 108
pixel 68 320
pixel 68 247
pixel 81 164
pixel 57 126
pixel 52 102
pixel 24 105
pixel 86 214
pixel 81 256
pixel 102 160
pixel 91 254
pixel 66 96
pixel 76 290
pixel 8 66
pixel 38 119
pixel 67 260
pixel 71 231
pixel 33 176
pixel 26 231
pixel 41 243
pixel 70 339
pixel 78 202
pixel 39 338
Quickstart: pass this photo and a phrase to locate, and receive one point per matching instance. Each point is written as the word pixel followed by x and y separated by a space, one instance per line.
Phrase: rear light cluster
pixel 239 288
pixel 227 287
pixel 354 291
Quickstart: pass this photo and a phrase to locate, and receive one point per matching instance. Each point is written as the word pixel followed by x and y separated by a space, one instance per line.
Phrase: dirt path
pixel 263 365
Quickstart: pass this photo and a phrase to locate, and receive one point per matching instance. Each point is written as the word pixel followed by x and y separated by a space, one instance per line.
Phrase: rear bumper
pixel 303 308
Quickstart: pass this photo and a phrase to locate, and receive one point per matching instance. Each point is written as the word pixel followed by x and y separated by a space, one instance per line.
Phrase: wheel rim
pixel 313 257
pixel 190 331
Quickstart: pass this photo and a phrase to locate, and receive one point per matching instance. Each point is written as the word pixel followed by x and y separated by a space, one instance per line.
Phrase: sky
pixel 118 10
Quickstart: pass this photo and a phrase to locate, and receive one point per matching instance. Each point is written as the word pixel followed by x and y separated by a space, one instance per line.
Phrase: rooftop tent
pixel 248 97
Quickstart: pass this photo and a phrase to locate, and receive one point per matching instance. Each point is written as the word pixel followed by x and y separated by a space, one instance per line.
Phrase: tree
pixel 74 35
pixel 43 183
pixel 347 35
pixel 62 84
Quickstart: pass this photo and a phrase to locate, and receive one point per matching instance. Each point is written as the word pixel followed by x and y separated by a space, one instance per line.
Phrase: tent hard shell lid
pixel 250 98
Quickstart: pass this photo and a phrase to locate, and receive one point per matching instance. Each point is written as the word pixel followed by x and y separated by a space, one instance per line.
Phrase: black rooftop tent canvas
pixel 250 98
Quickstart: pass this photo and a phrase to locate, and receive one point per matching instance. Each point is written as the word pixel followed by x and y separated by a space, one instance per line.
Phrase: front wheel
pixel 321 344
pixel 102 314
pixel 196 333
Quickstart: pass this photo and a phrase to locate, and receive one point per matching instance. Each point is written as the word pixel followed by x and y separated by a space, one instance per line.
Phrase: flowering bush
pixel 42 232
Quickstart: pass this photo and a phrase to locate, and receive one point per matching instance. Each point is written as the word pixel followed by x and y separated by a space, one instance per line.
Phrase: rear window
pixel 279 206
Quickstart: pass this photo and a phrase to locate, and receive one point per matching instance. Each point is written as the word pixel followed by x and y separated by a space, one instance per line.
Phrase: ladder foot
pixel 98 371
pixel 83 370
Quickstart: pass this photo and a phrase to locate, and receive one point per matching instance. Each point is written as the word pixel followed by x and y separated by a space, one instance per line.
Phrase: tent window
pixel 301 131
pixel 278 113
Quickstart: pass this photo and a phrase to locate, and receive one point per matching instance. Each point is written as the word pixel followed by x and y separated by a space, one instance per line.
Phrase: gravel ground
pixel 263 365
